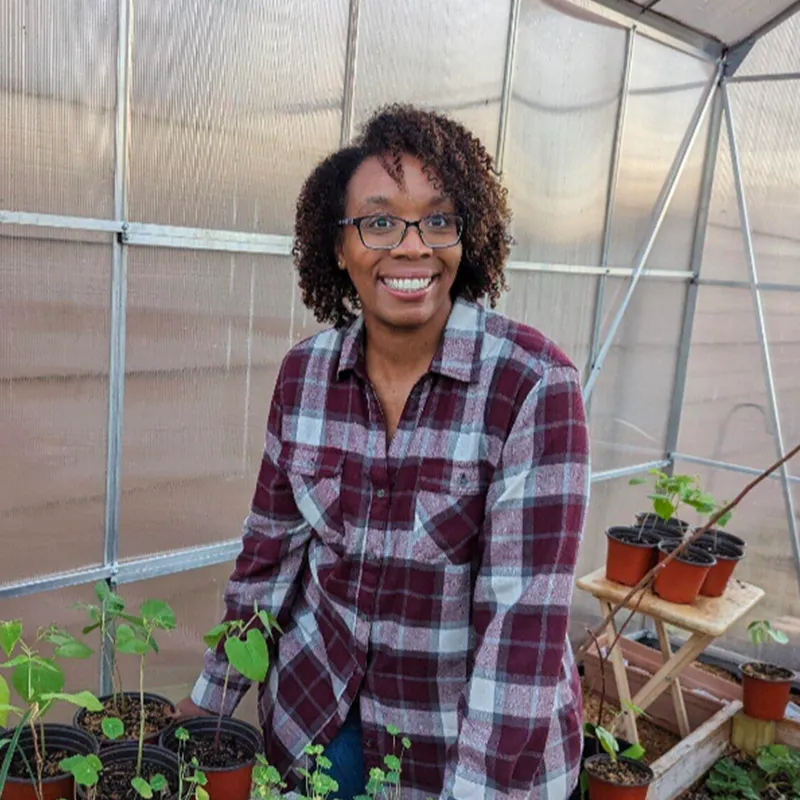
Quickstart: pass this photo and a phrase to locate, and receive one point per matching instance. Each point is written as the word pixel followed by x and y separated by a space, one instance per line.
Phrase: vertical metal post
pixel 611 197
pixel 119 277
pixel 690 303
pixel 508 83
pixel 351 52
pixel 766 359
pixel 660 211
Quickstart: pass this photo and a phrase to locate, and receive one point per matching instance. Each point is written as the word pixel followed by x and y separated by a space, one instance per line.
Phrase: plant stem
pixel 141 719
pixel 222 708
pixel 603 659
pixel 37 757
pixel 645 582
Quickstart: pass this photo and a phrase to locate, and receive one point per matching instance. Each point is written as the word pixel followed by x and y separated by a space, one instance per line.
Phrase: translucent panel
pixel 233 103
pixel 53 400
pixel 206 335
pixel 58 608
pixel 782 312
pixel 449 56
pixel 725 408
pixel 567 83
pixel 776 52
pixel 57 88
pixel 632 397
pixel 728 21
pixel 560 306
pixel 761 521
pixel 197 600
pixel 767 117
pixel 665 89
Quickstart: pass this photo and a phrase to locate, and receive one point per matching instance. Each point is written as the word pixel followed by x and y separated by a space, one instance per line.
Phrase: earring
pixel 342 265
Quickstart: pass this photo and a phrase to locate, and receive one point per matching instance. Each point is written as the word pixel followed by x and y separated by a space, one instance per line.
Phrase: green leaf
pixel 635 752
pixel 158 783
pixel 15 662
pixel 584 785
pixel 201 794
pixel 158 613
pixel 392 763
pixel 249 657
pixel 392 730
pixel 608 742
pixel 85 769
pixel 142 788
pixel 406 742
pixel 269 621
pixel 113 727
pixel 10 633
pixel 5 699
pixel 73 649
pixel 82 699
pixel 37 677
pixel 779 636
pixel 637 481
pixel 128 642
pixel 663 508
pixel 213 637
pixel 182 735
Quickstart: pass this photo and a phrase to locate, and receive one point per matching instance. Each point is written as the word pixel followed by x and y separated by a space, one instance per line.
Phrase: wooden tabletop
pixel 712 616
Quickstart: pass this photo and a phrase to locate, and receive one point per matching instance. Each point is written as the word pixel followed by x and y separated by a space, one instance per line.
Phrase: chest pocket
pixel 315 475
pixel 448 514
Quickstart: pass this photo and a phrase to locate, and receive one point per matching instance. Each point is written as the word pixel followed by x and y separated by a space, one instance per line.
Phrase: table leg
pixel 677 694
pixel 661 681
pixel 621 679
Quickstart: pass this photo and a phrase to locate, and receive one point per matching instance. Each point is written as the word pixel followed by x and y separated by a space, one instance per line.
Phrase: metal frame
pixel 351 54
pixel 508 81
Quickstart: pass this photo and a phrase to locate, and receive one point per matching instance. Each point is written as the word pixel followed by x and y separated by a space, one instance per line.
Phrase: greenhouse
pixel 151 155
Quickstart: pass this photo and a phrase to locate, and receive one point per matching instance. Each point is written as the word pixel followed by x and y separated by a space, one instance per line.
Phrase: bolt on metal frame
pixel 128 234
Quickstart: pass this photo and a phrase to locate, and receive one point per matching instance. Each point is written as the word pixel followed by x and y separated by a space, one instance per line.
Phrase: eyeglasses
pixel 385 231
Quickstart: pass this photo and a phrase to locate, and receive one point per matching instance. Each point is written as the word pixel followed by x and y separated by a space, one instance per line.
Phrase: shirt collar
pixel 458 355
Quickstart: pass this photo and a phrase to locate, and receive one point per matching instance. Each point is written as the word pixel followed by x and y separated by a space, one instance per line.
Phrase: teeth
pixel 408 284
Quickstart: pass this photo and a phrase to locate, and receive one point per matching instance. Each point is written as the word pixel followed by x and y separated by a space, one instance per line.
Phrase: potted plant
pixel 130 636
pixel 776 774
pixel 226 748
pixel 612 775
pixel 765 687
pixel 32 754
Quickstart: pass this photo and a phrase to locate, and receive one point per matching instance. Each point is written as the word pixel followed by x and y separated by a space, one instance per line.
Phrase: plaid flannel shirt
pixel 428 577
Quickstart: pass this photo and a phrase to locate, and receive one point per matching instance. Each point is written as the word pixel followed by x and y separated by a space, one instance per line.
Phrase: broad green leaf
pixel 5 699
pixel 608 742
pixel 584 785
pixel 73 649
pixel 142 788
pixel 779 636
pixel 37 677
pixel 128 642
pixel 392 730
pixel 392 763
pixel 201 794
pixel 15 662
pixel 85 769
pixel 158 613
pixel 158 783
pixel 634 752
pixel 5 709
pixel 112 727
pixel 249 657
pixel 182 735
pixel 663 508
pixel 637 481
pixel 213 637
pixel 269 621
pixel 83 699
pixel 10 632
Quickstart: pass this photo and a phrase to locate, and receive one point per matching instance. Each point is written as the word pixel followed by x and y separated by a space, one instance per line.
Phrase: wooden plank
pixel 621 679
pixel 711 616
pixel 788 733
pixel 750 735
pixel 677 691
pixel 691 758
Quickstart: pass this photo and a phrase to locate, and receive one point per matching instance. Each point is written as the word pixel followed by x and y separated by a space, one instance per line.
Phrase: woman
pixel 419 507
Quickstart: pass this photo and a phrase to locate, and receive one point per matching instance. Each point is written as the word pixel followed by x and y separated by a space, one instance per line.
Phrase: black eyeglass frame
pixel 356 221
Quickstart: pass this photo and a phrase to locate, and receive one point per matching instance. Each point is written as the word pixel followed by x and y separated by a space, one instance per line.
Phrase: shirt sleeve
pixel 535 511
pixel 273 548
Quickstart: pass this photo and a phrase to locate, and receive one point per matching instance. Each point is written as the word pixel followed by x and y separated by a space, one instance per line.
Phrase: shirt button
pixel 381 493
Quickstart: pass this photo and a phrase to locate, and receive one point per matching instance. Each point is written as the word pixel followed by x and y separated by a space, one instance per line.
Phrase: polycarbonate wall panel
pixel 448 56
pixel 53 403
pixel 57 88
pixel 726 414
pixel 632 397
pixel 666 88
pixel 233 104
pixel 561 132
pixel 560 306
pixel 775 53
pixel 206 335
pixel 761 521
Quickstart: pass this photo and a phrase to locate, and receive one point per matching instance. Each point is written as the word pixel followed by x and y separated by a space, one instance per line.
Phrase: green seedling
pixel 85 770
pixel 385 783
pixel 776 773
pixel 191 779
pixel 267 783
pixel 761 631
pixel 319 784
pixel 157 786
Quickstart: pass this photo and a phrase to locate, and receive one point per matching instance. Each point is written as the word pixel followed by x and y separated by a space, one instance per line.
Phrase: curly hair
pixel 456 160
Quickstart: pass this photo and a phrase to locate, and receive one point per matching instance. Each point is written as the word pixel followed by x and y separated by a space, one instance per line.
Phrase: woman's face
pixel 408 286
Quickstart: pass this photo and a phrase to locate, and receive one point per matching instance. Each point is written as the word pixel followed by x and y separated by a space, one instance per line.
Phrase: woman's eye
pixel 437 221
pixel 380 223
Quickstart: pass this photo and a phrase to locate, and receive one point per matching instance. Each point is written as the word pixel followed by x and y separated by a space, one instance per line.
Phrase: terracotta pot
pixel 601 789
pixel 680 581
pixel 631 554
pixel 765 697
pixel 224 783
pixel 77 720
pixel 56 737
pixel 728 556
pixel 163 760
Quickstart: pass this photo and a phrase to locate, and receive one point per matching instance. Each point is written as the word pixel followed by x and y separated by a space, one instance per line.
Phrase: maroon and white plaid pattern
pixel 431 576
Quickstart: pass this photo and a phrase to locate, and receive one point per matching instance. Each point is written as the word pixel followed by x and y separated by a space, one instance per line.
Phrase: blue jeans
pixel 346 751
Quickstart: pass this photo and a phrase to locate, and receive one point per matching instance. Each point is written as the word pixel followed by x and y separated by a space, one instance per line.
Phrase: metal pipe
pixel 662 204
pixel 586 269
pixel 698 247
pixel 633 469
pixel 766 78
pixel 766 359
pixel 508 81
pixel 350 58
pixel 727 466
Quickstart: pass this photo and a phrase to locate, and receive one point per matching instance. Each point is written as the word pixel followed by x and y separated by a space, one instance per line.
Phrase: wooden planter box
pixel 704 694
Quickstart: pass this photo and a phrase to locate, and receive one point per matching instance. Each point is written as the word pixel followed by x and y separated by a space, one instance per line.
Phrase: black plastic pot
pixel 161 759
pixel 224 783
pixel 132 697
pixel 56 737
pixel 726 538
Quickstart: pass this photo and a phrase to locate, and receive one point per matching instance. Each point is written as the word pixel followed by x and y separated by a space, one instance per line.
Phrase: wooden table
pixel 705 620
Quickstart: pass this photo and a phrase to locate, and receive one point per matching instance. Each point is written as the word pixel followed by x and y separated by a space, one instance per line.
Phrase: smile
pixel 409 285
